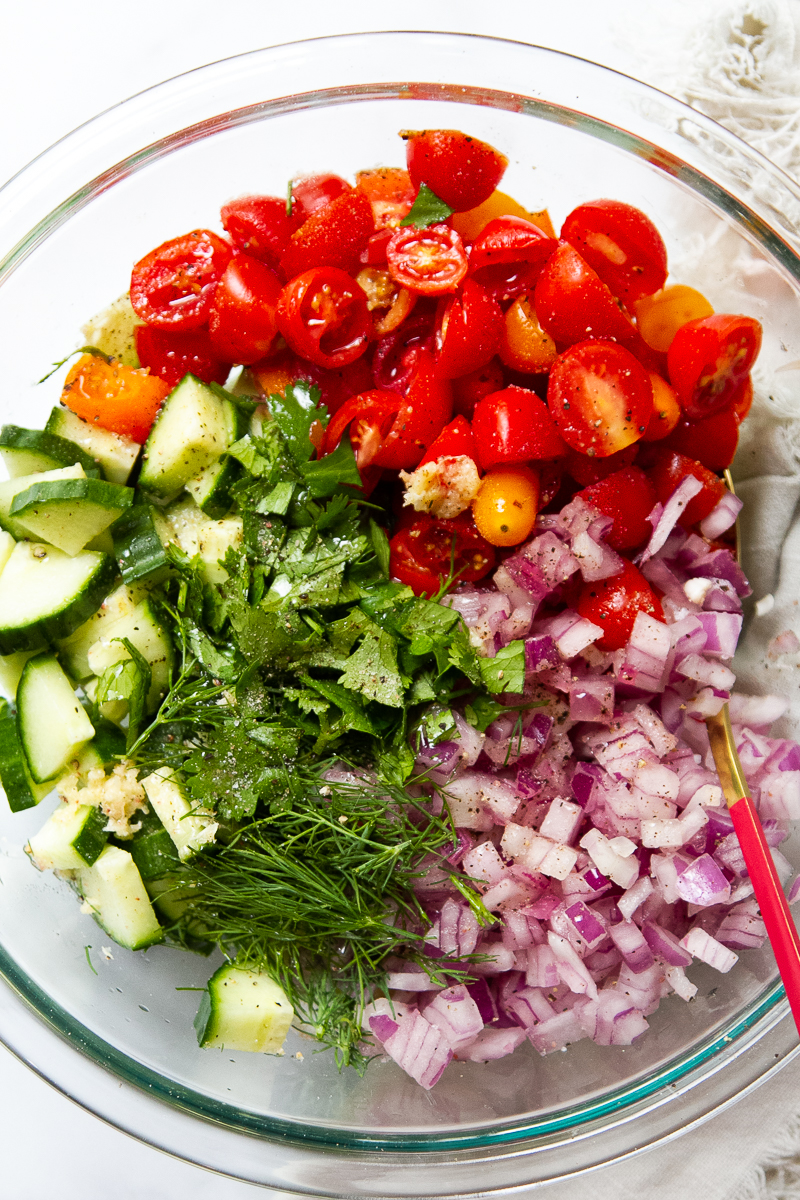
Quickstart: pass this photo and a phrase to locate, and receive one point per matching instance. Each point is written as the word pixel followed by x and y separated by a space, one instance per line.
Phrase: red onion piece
pixel 721 517
pixel 670 514
pixel 455 1014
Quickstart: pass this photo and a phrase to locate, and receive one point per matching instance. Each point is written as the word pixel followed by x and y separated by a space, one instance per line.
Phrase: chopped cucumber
pixel 114 711
pixel 73 651
pixel 52 723
pixel 194 427
pixel 11 667
pixel 202 538
pixel 152 849
pixel 46 594
pixel 13 487
pixel 114 331
pixel 210 490
pixel 114 891
pixel 73 837
pixel 145 630
pixel 29 451
pixel 68 513
pixel 141 535
pixel 21 790
pixel 243 1010
pixel 115 453
pixel 188 828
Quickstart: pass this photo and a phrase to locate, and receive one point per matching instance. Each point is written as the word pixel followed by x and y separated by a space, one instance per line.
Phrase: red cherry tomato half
pixel 369 416
pixel 259 226
pixel 311 192
pixel 514 426
pixel 621 244
pixel 324 317
pixel 709 358
pixel 427 407
pixel 670 468
pixel 333 236
pixel 600 397
pixel 430 261
pixel 455 439
pixel 742 400
pixel 396 354
pixel 469 389
pixel 470 325
pixel 585 470
pixel 614 604
pixel 173 353
pixel 572 303
pixel 461 170
pixel 172 286
pixel 507 256
pixel 628 497
pixel 241 319
pixel 711 441
pixel 422 553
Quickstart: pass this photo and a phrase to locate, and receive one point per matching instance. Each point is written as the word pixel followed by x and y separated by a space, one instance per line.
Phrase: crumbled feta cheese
pixel 118 795
pixel 443 488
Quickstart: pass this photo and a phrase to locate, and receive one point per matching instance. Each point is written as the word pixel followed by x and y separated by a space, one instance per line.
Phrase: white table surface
pixel 60 64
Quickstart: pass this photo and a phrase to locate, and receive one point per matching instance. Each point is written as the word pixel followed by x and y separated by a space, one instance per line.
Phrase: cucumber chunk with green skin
pixel 200 537
pixel 243 1010
pixel 13 487
pixel 72 838
pixel 46 594
pixel 188 828
pixel 11 668
pixel 147 633
pixel 210 490
pixel 114 331
pixel 21 790
pixel 52 723
pixel 152 849
pixel 28 451
pixel 115 453
pixel 115 893
pixel 73 651
pixel 140 537
pixel 68 513
pixel 193 429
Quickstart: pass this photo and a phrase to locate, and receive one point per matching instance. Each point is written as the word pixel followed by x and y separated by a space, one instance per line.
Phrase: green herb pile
pixel 307 657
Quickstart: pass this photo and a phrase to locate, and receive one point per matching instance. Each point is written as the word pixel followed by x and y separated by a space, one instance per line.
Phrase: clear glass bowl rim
pixel 82 158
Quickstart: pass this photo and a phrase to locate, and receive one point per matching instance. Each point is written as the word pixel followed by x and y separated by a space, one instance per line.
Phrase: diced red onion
pixel 629 940
pixel 558 1031
pixel 586 923
pixel 561 821
pixel 570 967
pixel 454 1012
pixel 458 928
pixel 721 517
pixel 419 1048
pixel 596 560
pixel 703 946
pixel 635 896
pixel 665 945
pixel 703 883
pixel 670 514
pixel 542 968
pixel 541 653
pixel 742 927
pixel 492 1044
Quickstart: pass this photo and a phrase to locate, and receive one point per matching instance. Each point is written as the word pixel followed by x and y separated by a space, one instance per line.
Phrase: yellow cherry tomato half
pixel 524 345
pixel 470 223
pixel 660 316
pixel 666 410
pixel 505 508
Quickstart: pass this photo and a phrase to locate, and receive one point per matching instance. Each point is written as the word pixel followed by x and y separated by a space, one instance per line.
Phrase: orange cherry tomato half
pixel 659 317
pixel 524 345
pixel 430 261
pixel 461 170
pixel 390 192
pixel 666 410
pixel 600 397
pixel 505 507
pixel 113 396
pixel 708 360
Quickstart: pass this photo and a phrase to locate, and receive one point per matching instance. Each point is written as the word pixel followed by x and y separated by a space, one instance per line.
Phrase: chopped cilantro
pixel 506 671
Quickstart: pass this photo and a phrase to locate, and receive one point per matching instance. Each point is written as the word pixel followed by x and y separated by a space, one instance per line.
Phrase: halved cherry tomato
pixel 171 354
pixel 455 439
pixel 426 409
pixel 742 400
pixel 333 236
pixel 423 552
pixel 395 359
pixel 469 389
pixel 260 226
pixel 572 303
pixel 335 386
pixel 628 497
pixel 513 426
pixel 670 469
pixel 614 604
pixel 470 223
pixel 383 293
pixel 324 317
pixel 461 170
pixel 390 192
pixel 506 258
pixel 666 410
pixel 505 507
pixel 709 358
pixel 585 470
pixel 660 317
pixel 524 345
pixel 600 397
pixel 621 244
pixel 369 416
pixel 172 286
pixel 468 331
pixel 122 399
pixel 311 192
pixel 711 441
pixel 430 261
pixel 241 319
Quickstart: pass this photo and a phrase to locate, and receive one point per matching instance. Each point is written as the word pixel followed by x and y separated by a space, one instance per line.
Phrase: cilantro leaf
pixel 427 209
pixel 325 475
pixel 294 413
pixel 506 671
pixel 380 544
pixel 483 711
pixel 127 680
pixel 372 669
pixel 351 705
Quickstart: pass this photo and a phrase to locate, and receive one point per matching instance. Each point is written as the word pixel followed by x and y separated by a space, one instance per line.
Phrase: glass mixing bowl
pixel 116 1033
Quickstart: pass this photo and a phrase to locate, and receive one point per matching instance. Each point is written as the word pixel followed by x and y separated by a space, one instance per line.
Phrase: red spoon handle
pixel 774 906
